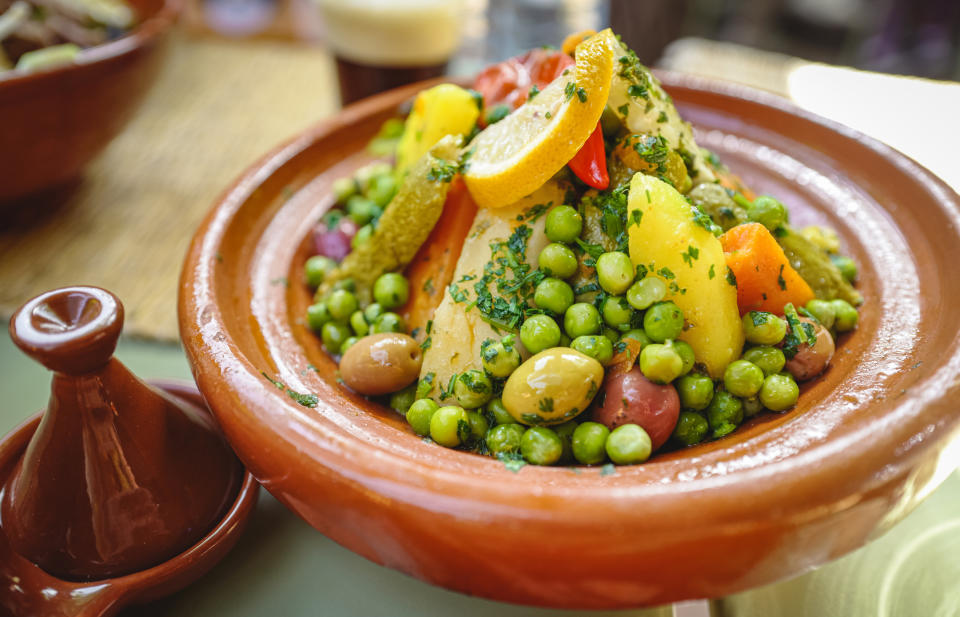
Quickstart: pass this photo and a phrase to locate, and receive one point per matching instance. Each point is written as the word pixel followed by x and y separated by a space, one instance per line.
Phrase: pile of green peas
pixel 756 381
pixel 364 196
pixel 630 308
pixel 488 427
pixel 338 317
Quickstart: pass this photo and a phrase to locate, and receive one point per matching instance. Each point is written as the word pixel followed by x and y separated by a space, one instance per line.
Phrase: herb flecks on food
pixel 307 400
pixel 513 461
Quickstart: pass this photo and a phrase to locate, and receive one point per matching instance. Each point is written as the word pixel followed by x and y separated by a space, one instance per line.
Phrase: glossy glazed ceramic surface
pixel 119 476
pixel 26 590
pixel 781 495
pixel 56 121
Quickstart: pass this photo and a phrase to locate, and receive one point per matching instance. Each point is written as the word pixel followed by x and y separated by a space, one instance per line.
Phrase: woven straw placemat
pixel 217 107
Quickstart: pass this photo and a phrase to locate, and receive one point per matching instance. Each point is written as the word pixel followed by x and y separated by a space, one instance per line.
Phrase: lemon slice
pixel 514 157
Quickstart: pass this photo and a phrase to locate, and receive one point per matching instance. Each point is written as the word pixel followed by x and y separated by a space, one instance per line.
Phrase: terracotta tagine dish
pixel 120 492
pixel 57 120
pixel 783 494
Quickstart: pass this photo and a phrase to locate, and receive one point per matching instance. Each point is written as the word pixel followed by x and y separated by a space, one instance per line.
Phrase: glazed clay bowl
pixel 26 589
pixel 56 121
pixel 783 494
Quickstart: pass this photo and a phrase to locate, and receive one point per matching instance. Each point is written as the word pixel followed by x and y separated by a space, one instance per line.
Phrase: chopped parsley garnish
pixel 425 385
pixel 534 91
pixel 780 281
pixel 513 461
pixel 443 171
pixel 427 342
pixel 711 273
pixel 638 91
pixel 546 405
pixel 636 215
pixel 652 149
pixel 662 117
pixel 624 109
pixel 731 277
pixel 666 273
pixel 692 253
pixel 496 114
pixel 307 400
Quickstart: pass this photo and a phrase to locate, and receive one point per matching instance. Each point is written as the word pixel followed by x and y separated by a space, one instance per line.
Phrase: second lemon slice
pixel 514 157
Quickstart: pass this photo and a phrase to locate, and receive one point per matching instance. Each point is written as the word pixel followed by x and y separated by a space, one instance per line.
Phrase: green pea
pixel 343 189
pixel 359 323
pixel 638 335
pixel 628 444
pixel 500 358
pixel 663 321
pixel 847 267
pixel 372 312
pixel 686 355
pixel 553 295
pixel 499 412
pixel 695 391
pixel 611 334
pixel 334 334
pixel 316 268
pixel 580 319
pixel 381 189
pixel 317 315
pixel 596 346
pixel 478 427
pixel 691 428
pixel 472 389
pixel 725 413
pixel 617 312
pixel 342 304
pixel 847 316
pixel 768 212
pixel 391 290
pixel 823 311
pixel 505 438
pixel 388 322
pixel 558 260
pixel 541 446
pixel 779 392
pixel 362 236
pixel 589 442
pixel 615 272
pixel 565 433
pixel 449 426
pixel 660 363
pixel 769 359
pixel 565 340
pixel 401 400
pixel 348 343
pixel 763 328
pixel 563 224
pixel 420 414
pixel 645 292
pixel 752 406
pixel 742 378
pixel 362 210
pixel 539 332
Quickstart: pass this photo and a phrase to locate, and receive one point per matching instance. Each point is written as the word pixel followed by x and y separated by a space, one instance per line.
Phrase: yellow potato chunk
pixel 437 112
pixel 670 241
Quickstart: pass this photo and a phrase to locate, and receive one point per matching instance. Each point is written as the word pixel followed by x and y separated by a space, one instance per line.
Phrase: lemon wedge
pixel 514 157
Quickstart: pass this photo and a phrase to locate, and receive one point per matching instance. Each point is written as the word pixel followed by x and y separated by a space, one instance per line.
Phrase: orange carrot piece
pixel 765 279
pixel 432 268
pixel 624 360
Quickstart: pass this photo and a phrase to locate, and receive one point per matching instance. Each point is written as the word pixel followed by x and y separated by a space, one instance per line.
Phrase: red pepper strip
pixel 590 162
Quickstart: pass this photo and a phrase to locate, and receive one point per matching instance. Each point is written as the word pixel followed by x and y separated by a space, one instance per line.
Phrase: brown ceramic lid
pixel 782 494
pixel 119 476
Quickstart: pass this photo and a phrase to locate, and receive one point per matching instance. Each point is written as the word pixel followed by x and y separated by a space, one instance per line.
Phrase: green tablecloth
pixel 283 567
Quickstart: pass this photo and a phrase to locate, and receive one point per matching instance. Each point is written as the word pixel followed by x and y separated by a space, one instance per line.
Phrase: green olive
pixel 381 363
pixel 552 387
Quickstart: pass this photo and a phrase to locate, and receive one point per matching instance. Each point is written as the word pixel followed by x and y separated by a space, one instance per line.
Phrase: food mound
pixel 41 34
pixel 547 269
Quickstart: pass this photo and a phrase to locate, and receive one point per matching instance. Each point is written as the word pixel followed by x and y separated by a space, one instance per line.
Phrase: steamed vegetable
pixel 404 225
pixel 814 265
pixel 671 240
pixel 457 334
pixel 765 279
pixel 442 110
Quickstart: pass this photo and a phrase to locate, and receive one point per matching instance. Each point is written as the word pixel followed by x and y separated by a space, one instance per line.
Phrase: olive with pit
pixel 811 360
pixel 552 387
pixel 381 363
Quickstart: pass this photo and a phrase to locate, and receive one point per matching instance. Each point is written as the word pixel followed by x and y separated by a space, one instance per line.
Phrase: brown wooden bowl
pixel 783 494
pixel 56 121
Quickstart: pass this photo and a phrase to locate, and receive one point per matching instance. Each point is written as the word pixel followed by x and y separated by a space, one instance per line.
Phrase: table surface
pixel 283 567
